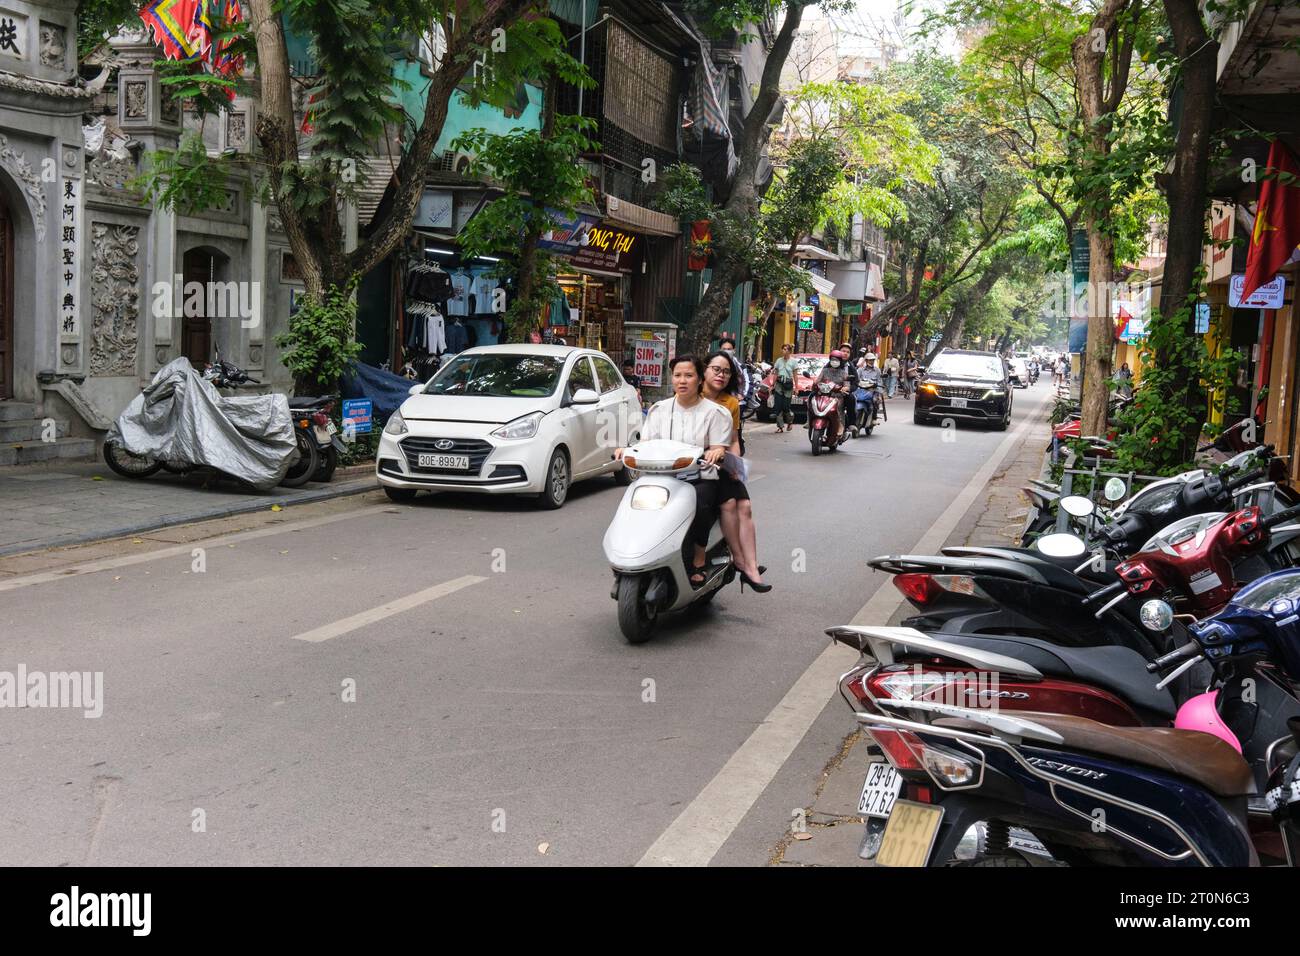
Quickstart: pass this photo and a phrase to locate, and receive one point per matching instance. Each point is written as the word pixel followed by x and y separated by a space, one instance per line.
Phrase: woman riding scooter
pixel 690 417
pixel 837 374
pixel 737 515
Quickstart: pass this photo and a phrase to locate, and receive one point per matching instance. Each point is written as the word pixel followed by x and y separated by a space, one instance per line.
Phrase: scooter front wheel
pixel 816 440
pixel 636 618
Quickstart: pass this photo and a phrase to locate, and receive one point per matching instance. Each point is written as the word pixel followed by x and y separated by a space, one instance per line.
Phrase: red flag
pixel 1121 322
pixel 1276 235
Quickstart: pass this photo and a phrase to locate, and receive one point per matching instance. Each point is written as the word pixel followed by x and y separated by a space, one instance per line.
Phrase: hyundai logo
pixel 442 444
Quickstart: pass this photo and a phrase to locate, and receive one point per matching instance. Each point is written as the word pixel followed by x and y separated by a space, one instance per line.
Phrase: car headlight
pixel 396 424
pixel 995 393
pixel 932 389
pixel 649 498
pixel 522 427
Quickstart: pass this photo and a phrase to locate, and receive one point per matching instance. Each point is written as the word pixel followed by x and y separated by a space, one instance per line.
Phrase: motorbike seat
pixel 309 401
pixel 1200 757
pixel 1112 667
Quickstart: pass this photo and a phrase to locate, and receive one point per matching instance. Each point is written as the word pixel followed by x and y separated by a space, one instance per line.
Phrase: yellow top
pixel 732 404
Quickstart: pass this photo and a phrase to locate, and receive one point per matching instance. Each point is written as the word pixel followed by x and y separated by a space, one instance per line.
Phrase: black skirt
pixel 731 488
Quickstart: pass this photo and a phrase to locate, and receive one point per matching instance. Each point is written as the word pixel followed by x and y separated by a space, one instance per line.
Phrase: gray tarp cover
pixel 181 417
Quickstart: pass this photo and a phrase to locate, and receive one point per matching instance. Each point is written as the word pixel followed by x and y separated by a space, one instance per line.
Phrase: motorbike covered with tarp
pixel 181 418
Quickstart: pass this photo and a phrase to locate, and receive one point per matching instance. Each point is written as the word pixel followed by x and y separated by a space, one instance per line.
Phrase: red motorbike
pixel 824 411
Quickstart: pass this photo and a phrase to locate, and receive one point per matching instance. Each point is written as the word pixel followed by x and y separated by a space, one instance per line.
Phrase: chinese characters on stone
pixel 70 277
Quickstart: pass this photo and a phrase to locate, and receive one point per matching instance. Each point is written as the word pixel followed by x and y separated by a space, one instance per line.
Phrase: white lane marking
pixel 338 628
pixel 699 831
pixel 108 564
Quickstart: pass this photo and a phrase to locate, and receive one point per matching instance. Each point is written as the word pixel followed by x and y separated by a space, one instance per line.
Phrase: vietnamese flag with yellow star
pixel 1274 240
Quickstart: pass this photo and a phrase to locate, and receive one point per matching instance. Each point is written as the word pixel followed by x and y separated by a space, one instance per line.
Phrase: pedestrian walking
pixel 1125 376
pixel 891 375
pixel 910 374
pixel 783 388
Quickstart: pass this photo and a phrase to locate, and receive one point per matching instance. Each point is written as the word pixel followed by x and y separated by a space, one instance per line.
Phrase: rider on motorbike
pixel 838 374
pixel 869 375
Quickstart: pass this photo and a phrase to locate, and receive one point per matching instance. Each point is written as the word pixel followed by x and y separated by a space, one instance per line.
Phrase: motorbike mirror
pixel 1077 505
pixel 1156 615
pixel 1115 489
pixel 1061 545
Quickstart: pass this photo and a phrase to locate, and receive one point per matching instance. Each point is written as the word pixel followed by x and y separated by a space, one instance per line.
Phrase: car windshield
pixel 498 375
pixel 810 365
pixel 953 365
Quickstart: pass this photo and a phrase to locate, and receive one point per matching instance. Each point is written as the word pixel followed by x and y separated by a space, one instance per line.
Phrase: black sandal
pixel 702 570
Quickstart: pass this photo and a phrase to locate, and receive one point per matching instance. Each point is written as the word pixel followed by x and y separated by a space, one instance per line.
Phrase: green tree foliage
pixel 321 343
pixel 541 178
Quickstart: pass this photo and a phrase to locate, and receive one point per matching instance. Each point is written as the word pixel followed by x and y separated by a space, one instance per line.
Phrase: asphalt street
pixel 443 683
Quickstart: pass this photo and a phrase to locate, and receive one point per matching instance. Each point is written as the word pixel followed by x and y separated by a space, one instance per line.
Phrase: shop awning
pixel 806 250
pixel 636 218
pixel 823 286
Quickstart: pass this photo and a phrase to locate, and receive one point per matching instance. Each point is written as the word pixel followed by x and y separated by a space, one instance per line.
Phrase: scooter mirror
pixel 1061 545
pixel 1077 505
pixel 1115 489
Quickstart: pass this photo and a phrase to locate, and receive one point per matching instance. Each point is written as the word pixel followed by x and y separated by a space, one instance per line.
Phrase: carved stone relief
pixel 115 298
pixel 136 99
pixel 16 164
pixel 237 130
pixel 54 45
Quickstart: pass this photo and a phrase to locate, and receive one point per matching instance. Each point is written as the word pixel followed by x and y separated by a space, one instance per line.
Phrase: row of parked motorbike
pixel 1123 692
pixel 182 422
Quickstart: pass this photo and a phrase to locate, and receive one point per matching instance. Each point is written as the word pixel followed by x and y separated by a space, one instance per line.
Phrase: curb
pixel 221 511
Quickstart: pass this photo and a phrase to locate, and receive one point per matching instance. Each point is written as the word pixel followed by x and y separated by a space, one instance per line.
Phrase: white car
pixel 510 419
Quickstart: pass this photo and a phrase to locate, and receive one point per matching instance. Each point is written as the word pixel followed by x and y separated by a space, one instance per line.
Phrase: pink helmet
pixel 1200 713
pixel 836 353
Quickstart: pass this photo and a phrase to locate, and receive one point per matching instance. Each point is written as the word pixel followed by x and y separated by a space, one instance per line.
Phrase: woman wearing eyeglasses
pixel 737 515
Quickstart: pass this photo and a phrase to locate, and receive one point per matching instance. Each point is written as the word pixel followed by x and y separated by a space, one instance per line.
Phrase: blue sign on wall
pixel 357 415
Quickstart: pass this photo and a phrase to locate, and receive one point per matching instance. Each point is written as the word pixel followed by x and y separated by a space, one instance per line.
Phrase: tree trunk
pixel 1101 330
pixel 1185 189
pixel 1098 101
pixel 745 195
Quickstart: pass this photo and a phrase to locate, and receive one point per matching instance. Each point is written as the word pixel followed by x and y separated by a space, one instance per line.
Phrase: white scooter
pixel 646 542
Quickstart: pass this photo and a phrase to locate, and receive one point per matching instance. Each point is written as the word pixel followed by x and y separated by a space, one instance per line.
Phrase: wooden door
pixel 196 330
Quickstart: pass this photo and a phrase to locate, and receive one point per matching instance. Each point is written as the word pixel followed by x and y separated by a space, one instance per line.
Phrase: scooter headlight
pixel 649 498
pixel 1156 615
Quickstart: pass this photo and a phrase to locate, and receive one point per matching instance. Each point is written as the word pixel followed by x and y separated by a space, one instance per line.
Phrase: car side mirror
pixel 415 389
pixel 584 396
pixel 920 370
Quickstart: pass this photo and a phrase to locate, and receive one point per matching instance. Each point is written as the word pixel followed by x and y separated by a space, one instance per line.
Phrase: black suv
pixel 961 384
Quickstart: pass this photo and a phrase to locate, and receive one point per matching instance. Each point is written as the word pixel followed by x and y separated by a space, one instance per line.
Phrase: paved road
pixel 497 708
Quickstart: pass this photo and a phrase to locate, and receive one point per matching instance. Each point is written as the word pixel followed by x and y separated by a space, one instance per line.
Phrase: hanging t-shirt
pixel 461 284
pixel 705 423
pixel 482 290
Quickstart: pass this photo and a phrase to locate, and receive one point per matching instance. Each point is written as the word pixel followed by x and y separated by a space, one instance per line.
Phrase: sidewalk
pixel 834 829
pixel 62 503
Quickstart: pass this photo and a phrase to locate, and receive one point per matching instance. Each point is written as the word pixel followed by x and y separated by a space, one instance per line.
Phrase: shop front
pixel 595 275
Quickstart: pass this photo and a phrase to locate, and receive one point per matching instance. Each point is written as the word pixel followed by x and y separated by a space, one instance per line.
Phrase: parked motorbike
pixel 313 417
pixel 1179 782
pixel 313 438
pixel 180 422
pixel 824 410
pixel 646 543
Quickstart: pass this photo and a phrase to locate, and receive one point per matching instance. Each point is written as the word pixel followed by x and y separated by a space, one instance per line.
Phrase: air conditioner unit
pixel 460 162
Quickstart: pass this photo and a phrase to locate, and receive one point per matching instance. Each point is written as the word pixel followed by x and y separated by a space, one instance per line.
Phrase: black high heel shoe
pixel 760 587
